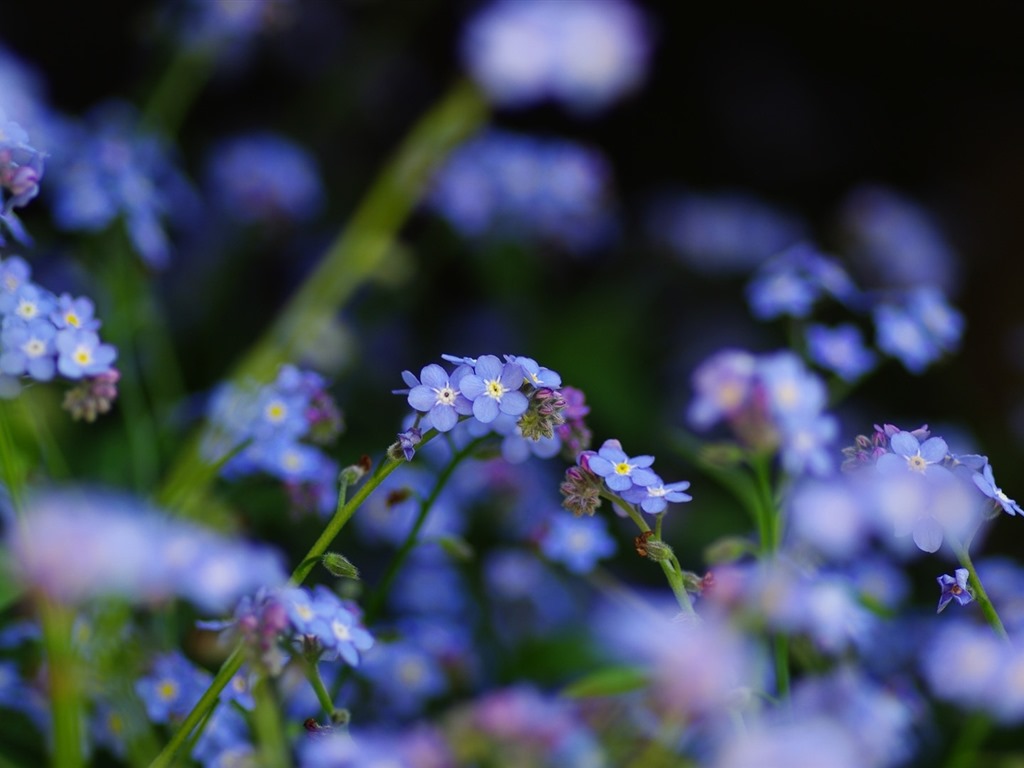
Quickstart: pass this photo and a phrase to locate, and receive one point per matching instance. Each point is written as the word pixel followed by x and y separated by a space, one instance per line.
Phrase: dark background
pixel 792 102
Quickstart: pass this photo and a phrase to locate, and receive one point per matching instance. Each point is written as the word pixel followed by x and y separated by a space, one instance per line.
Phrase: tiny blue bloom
pixel 494 388
pixel 438 394
pixel 620 472
pixel 987 484
pixel 954 589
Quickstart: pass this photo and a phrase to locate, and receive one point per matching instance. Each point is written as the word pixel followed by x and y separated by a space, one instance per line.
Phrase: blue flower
pixel 987 484
pixel 620 472
pixel 263 177
pixel 723 233
pixel 80 353
pixel 109 168
pixel 534 373
pixel 577 542
pixel 438 394
pixel 172 687
pixel 584 54
pixel 840 349
pixel 14 272
pixel 723 385
pixel 954 589
pixel 21 166
pixel 74 313
pixel 507 186
pixel 31 302
pixel 909 454
pixel 27 348
pixel 493 388
pixel 655 498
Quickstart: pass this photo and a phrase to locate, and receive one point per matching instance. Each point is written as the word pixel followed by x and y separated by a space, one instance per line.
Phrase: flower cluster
pixel 316 623
pixel 584 54
pixel 516 398
pixel 273 427
pixel 770 402
pixel 42 334
pixel 629 478
pixel 511 186
pixel 21 168
pixel 915 325
pixel 107 168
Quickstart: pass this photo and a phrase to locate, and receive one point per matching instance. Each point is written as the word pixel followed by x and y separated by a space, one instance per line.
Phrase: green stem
pixel 375 603
pixel 173 95
pixel 205 704
pixel 273 747
pixel 671 567
pixel 56 621
pixel 352 259
pixel 237 657
pixel 970 735
pixel 769 524
pixel 322 695
pixel 980 595
pixel 65 703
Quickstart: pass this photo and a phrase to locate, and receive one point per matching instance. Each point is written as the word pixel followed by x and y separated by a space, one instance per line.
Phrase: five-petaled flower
pixel 954 588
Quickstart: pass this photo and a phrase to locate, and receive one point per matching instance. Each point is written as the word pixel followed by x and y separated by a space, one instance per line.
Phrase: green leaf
pixel 609 681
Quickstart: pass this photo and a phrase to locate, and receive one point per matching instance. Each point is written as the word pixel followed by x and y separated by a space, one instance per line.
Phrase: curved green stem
pixel 236 659
pixel 350 261
pixel 980 595
pixel 317 683
pixel 375 603
pixel 670 565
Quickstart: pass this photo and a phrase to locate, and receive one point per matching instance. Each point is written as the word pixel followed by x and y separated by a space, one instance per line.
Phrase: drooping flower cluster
pixel 21 168
pixel 583 54
pixel 274 426
pixel 516 398
pixel 511 186
pixel 107 168
pixel 75 546
pixel 769 402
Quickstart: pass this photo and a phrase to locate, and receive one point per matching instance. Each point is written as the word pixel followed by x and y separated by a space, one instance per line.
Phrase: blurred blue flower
pixel 77 545
pixel 584 54
pixel 987 485
pixel 840 349
pixel 722 234
pixel 27 349
pixel 897 239
pixel 578 543
pixel 106 168
pixel 403 675
pixel 81 353
pixel 525 188
pixel 172 687
pixel 263 178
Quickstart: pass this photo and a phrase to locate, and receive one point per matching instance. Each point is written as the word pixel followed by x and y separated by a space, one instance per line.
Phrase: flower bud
pixel 353 473
pixel 340 566
pixel 658 550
